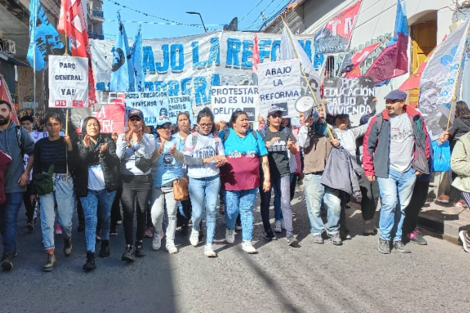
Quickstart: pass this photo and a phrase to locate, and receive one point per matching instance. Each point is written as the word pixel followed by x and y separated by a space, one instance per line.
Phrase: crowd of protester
pixel 190 176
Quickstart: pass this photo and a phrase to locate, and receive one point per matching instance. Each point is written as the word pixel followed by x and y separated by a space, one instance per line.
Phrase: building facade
pixel 95 19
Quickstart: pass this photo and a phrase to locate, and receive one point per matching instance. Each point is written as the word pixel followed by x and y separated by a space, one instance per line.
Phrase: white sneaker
pixel 194 238
pixel 208 251
pixel 229 235
pixel 238 227
pixel 170 247
pixel 283 224
pixel 277 226
pixel 157 241
pixel 248 247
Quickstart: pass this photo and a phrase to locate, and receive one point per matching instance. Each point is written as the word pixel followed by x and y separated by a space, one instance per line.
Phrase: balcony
pixel 95 36
pixel 96 15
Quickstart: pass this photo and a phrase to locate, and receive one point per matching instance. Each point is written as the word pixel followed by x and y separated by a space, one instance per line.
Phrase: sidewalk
pixel 444 221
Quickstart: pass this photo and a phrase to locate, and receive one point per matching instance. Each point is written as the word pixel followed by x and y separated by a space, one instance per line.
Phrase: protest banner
pixel 352 96
pixel 192 65
pixel 179 104
pixel 153 104
pixel 279 85
pixel 68 82
pixel 228 99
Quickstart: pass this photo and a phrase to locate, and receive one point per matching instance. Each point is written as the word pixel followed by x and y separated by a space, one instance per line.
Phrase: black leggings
pixel 418 199
pixel 135 189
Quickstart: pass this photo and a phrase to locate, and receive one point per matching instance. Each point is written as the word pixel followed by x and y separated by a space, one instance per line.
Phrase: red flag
pixel 359 57
pixel 72 23
pixel 256 59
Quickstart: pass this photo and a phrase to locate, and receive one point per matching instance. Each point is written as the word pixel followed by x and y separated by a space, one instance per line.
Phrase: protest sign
pixel 68 81
pixel 179 104
pixel 279 85
pixel 228 99
pixel 152 104
pixel 353 96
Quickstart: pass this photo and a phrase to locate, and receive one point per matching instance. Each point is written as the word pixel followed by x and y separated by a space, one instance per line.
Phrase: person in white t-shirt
pixel 203 155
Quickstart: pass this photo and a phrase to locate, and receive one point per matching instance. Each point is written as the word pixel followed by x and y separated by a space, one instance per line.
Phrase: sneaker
pixel 238 227
pixel 417 238
pixel 98 238
pixel 184 230
pixel 128 254
pixel 317 238
pixel 58 230
pixel 30 227
pixel 384 246
pixel 113 232
pixel 148 232
pixel 336 239
pixel 50 263
pixel 7 261
pixel 229 235
pixel 208 251
pixel 292 241
pixel 157 241
pixel 400 247
pixel 369 228
pixel 139 249
pixel 90 262
pixel 463 235
pixel 194 238
pixel 119 222
pixel 344 234
pixel 247 246
pixel 105 251
pixel 442 199
pixel 67 246
pixel 277 226
pixel 170 247
pixel 269 235
pixel 283 224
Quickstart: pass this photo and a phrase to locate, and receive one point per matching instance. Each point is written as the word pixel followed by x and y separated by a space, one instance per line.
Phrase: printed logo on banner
pixel 250 113
pixel 77 103
pixel 284 108
pixel 60 103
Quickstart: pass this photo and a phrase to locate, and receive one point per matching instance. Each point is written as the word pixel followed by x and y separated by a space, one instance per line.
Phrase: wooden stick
pixel 67 149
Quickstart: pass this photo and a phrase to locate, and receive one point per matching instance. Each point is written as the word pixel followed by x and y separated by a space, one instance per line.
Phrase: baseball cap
pixel 275 109
pixel 162 120
pixel 396 95
pixel 135 112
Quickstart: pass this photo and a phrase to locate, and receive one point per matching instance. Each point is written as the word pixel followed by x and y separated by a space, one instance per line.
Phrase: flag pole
pixel 304 75
pixel 34 79
pixel 454 96
pixel 66 109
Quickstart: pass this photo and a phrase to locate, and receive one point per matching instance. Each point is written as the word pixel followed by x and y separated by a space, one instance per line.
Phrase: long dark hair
pixel 461 109
pixel 206 112
pixel 234 117
pixel 85 121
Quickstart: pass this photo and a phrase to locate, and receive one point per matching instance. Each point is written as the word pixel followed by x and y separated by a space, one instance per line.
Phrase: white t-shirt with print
pixel 401 143
pixel 206 147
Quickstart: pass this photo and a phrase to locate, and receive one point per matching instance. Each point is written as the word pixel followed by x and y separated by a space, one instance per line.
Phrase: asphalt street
pixel 312 278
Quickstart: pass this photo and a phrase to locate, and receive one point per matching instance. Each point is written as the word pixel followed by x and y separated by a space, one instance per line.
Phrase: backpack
pixel 227 133
pixel 19 138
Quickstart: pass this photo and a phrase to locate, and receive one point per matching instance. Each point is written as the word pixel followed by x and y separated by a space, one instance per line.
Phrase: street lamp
pixel 197 13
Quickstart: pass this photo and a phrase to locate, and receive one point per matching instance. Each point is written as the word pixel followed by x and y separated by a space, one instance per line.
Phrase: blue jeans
pixel 395 190
pixel 204 193
pixel 97 204
pixel 64 197
pixel 242 202
pixel 315 195
pixel 8 215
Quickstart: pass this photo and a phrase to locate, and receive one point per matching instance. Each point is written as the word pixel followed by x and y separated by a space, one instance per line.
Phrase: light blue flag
pixel 43 36
pixel 122 76
pixel 138 61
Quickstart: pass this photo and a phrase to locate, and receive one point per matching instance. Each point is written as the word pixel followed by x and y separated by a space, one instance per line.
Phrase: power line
pixel 159 23
pixel 256 20
pixel 251 11
pixel 154 16
pixel 275 13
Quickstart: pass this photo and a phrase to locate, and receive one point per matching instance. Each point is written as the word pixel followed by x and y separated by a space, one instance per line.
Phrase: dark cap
pixel 135 112
pixel 275 109
pixel 396 95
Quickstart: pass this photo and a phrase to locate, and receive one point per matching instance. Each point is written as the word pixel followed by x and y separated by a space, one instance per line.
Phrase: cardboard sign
pixel 228 99
pixel 153 104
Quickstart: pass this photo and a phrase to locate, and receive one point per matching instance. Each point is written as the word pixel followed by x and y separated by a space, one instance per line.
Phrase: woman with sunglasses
pixel 204 154
pixel 168 167
pixel 132 147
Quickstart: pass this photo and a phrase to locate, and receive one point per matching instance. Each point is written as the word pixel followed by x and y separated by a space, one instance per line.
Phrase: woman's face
pixel 205 125
pixel 241 124
pixel 53 127
pixel 114 136
pixel 285 122
pixel 92 128
pixel 135 124
pixel 165 131
pixel 183 123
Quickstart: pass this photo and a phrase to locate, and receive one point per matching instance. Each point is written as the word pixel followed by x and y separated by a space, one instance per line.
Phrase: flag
pixel 6 95
pixel 413 81
pixel 138 61
pixel 441 81
pixel 358 58
pixel 72 23
pixel 256 61
pixel 393 61
pixel 336 35
pixel 122 76
pixel 43 36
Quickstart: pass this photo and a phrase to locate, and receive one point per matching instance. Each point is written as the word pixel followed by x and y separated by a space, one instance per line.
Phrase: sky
pixel 215 13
